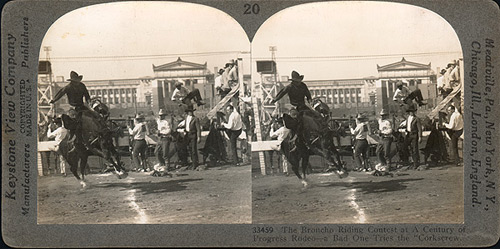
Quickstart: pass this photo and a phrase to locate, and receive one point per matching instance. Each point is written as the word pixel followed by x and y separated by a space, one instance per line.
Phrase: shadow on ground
pixel 369 187
pixel 148 187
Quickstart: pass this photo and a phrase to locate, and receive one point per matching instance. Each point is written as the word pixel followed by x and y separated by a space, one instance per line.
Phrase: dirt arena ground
pixel 434 195
pixel 217 195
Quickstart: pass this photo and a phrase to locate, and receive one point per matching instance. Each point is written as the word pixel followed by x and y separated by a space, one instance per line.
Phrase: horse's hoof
pixel 121 174
pixel 83 184
pixel 304 183
pixel 342 174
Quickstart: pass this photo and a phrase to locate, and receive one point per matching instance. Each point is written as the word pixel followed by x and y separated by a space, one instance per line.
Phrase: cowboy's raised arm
pixel 58 95
pixel 280 94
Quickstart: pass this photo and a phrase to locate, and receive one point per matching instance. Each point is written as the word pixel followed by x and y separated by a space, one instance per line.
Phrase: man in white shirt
pixel 233 130
pixel 384 147
pixel 139 145
pixel 185 96
pixel 280 134
pixel 361 145
pixel 404 96
pixel 455 126
pixel 218 82
pixel 443 88
pixel 59 136
pixel 164 134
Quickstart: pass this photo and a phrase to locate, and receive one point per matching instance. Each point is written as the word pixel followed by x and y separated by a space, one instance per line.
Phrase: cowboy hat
pixel 178 83
pixel 399 83
pixel 452 62
pixel 443 71
pixel 296 76
pixel 75 77
pixel 384 112
pixel 162 112
pixel 139 116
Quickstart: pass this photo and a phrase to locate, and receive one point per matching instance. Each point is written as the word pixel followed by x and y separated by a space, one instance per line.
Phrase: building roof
pixel 179 64
pixel 404 65
pixel 340 82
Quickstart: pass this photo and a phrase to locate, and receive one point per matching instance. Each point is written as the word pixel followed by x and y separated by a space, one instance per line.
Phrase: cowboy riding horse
pixel 311 134
pixel 89 133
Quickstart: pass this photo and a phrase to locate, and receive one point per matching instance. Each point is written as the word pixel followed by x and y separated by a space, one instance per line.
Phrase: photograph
pixel 143 112
pixel 359 117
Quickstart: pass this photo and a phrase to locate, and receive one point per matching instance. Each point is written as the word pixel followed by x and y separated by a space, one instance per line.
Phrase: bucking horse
pixel 311 135
pixel 98 136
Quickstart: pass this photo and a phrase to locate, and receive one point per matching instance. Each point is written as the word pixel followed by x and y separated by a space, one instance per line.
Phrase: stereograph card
pixel 266 123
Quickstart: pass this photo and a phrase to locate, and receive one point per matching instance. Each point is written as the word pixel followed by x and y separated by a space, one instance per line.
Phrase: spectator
pixel 218 82
pixel 404 96
pixel 413 136
pixel 60 147
pixel 233 130
pixel 164 133
pixel 280 134
pixel 193 135
pixel 455 127
pixel 361 146
pixel 233 74
pixel 139 145
pixel 226 87
pixel 185 96
pixel 444 89
pixel 384 146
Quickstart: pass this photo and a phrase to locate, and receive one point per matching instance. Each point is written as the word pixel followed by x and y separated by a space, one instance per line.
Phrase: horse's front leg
pixel 83 165
pixel 305 164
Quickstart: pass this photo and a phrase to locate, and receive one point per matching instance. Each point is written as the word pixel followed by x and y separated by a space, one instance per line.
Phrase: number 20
pixel 251 9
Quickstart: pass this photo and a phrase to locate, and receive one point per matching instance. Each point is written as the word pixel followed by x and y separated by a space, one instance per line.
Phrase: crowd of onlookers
pixel 403 135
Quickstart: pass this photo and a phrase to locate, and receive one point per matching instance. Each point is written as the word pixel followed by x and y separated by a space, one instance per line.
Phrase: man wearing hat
pixel 139 144
pixel 296 91
pixel 384 146
pixel 76 91
pixel 164 133
pixel 193 134
pixel 182 94
pixel 413 135
pixel 404 96
pixel 361 145
pixel 221 88
pixel 444 89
